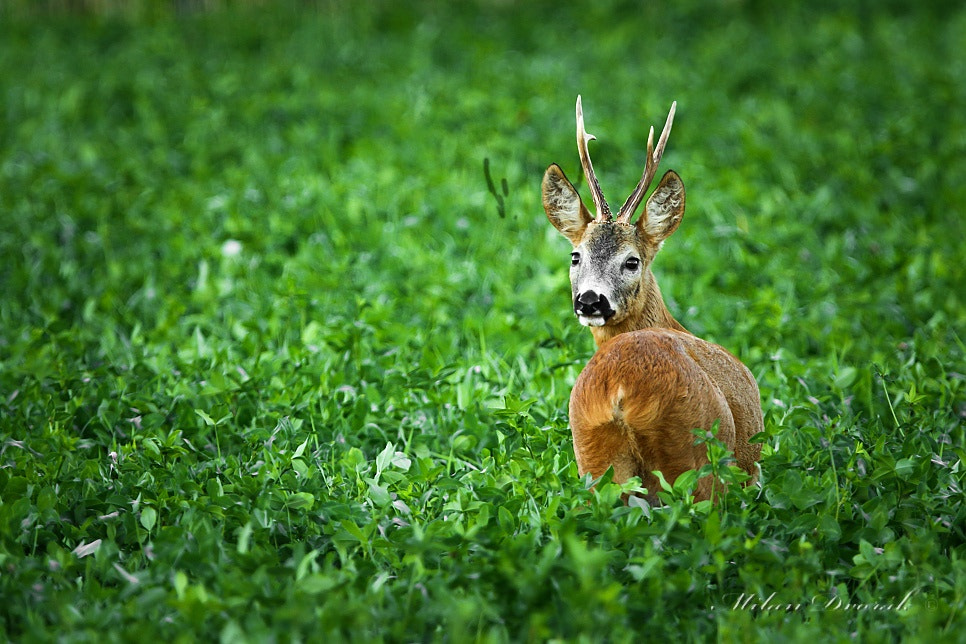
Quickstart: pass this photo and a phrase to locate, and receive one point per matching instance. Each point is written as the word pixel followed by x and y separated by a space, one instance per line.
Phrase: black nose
pixel 592 303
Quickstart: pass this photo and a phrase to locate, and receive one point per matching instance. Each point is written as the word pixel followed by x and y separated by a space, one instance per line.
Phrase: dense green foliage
pixel 276 363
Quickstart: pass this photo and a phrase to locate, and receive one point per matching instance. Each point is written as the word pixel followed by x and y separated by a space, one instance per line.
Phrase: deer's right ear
pixel 564 208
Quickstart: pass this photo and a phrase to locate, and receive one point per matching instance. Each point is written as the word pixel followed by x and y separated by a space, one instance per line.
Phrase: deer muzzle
pixel 593 308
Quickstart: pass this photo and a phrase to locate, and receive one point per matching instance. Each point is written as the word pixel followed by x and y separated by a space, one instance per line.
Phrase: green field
pixel 279 363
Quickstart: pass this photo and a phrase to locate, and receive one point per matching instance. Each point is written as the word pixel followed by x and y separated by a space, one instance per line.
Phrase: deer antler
pixel 650 169
pixel 603 210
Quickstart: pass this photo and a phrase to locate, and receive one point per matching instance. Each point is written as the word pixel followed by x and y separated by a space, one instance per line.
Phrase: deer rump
pixel 636 403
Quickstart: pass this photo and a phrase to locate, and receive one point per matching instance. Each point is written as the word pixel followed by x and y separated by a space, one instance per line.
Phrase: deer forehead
pixel 603 241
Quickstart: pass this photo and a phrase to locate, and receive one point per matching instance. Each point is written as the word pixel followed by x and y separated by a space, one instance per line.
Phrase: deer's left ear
pixel 562 203
pixel 664 208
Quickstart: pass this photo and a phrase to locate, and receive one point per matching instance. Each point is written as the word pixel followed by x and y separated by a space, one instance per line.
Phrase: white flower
pixel 231 248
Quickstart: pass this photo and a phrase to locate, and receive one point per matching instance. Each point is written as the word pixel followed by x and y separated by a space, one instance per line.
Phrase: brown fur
pixel 635 403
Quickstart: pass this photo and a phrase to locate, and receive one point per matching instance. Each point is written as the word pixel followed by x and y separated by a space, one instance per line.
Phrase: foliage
pixel 280 360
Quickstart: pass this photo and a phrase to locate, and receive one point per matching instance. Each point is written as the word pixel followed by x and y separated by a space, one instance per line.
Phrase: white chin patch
pixel 591 320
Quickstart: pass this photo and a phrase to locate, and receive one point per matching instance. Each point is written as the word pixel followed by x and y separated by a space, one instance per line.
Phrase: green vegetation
pixel 276 364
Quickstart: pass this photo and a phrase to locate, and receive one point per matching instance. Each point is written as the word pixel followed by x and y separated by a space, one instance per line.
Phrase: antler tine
pixel 603 210
pixel 650 168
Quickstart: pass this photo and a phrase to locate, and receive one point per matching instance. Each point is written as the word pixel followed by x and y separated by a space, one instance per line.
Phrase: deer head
pixel 610 274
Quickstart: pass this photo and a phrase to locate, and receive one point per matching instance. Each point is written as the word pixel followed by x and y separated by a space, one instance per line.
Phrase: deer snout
pixel 593 304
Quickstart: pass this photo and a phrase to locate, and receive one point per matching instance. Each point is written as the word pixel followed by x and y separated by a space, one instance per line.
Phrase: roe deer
pixel 651 382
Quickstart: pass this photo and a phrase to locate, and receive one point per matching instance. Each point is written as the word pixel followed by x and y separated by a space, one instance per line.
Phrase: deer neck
pixel 651 313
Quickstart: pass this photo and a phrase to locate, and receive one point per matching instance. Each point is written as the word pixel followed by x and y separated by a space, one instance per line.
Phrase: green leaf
pixel 151 447
pixel 300 501
pixel 149 517
pixel 905 468
pixel 829 527
pixel 353 529
pixel 384 458
pixel 180 584
pixel 300 449
pixel 305 565
pixel 205 417
pixel 379 495
pixel 244 538
pixel 316 584
pixel 505 519
pixel 353 458
pixel 712 528
pixel 845 377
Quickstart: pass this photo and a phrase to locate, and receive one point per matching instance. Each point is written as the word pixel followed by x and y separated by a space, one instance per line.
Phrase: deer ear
pixel 562 203
pixel 664 208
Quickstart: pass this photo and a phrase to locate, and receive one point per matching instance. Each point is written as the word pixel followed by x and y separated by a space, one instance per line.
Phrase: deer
pixel 651 383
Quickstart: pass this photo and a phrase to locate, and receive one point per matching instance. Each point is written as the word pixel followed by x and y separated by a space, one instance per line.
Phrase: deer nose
pixel 593 303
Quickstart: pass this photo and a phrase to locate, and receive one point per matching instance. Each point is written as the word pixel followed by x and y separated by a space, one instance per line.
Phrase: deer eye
pixel 632 263
pixel 574 259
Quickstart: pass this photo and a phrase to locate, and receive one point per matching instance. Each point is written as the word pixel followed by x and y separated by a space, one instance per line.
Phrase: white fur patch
pixel 591 320
pixel 566 207
pixel 617 403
